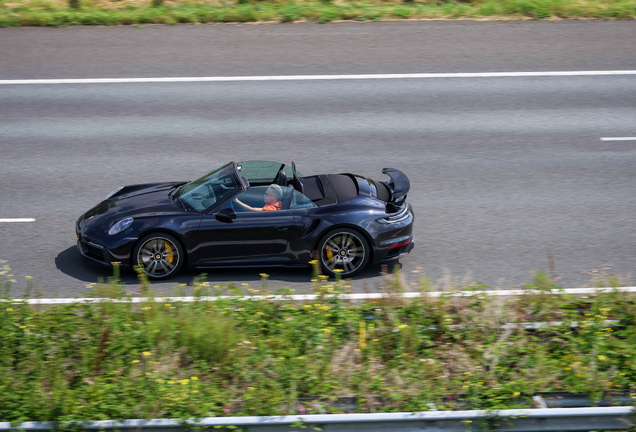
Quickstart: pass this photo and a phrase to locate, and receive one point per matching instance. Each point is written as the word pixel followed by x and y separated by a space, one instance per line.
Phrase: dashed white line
pixel 618 139
pixel 316 77
pixel 9 220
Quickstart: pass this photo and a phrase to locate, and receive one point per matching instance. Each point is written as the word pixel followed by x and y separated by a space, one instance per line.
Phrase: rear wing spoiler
pixel 399 184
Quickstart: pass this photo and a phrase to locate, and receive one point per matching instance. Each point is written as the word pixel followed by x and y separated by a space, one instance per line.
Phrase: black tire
pixel 343 249
pixel 159 255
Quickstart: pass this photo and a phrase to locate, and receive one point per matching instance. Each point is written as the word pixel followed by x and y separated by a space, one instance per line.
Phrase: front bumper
pixel 96 251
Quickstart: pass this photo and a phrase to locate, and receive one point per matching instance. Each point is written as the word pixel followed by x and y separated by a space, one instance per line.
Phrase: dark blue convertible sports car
pixel 254 213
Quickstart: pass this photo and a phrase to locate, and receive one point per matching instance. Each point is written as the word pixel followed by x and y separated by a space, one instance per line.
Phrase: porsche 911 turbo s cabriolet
pixel 255 214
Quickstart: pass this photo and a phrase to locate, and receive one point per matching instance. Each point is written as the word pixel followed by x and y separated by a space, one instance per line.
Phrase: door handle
pixel 283 227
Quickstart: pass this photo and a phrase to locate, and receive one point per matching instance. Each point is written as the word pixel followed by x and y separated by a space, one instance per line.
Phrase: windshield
pixel 209 189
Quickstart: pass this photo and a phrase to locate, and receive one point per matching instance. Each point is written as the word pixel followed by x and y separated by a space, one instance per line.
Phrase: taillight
pixel 404 243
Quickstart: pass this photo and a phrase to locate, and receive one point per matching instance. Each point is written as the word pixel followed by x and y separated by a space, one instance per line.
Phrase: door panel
pixel 250 238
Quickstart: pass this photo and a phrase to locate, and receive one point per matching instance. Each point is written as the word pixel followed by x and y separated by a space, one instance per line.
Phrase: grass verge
pixel 112 360
pixel 126 12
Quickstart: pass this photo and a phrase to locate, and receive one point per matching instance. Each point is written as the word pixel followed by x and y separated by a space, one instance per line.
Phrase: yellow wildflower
pixel 146 353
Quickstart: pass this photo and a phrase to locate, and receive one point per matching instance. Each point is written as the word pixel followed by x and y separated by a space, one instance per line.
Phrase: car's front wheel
pixel 159 255
pixel 343 251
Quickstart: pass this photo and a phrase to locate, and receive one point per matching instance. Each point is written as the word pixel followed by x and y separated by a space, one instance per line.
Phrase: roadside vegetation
pixel 142 12
pixel 245 356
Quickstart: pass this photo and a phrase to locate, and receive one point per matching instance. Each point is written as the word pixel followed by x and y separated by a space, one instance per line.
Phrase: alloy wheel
pixel 158 257
pixel 343 252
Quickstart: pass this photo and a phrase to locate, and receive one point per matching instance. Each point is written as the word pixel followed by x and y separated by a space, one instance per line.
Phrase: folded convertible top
pixel 325 189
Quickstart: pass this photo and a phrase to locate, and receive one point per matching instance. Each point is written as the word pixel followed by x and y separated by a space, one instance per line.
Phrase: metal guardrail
pixel 561 399
pixel 518 420
pixel 310 297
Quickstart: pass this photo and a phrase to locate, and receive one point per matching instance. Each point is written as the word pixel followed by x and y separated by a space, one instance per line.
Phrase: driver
pixel 272 197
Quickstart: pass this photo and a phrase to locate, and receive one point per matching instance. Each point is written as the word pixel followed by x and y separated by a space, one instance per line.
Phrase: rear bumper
pixel 400 250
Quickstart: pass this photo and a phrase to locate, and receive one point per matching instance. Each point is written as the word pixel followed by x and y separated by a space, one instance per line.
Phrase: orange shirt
pixel 276 206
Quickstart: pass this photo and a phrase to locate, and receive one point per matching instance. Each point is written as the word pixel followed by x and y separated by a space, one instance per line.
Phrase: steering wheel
pixel 211 193
pixel 205 195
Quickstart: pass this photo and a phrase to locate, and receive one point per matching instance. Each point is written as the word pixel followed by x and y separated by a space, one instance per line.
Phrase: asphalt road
pixel 503 170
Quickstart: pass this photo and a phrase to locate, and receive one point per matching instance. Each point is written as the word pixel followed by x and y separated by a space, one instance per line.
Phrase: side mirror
pixel 225 215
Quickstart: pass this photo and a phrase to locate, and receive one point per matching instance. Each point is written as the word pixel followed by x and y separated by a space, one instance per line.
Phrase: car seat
pixel 282 178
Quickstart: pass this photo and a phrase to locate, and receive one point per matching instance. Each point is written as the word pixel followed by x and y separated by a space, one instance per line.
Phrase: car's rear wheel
pixel 159 255
pixel 343 251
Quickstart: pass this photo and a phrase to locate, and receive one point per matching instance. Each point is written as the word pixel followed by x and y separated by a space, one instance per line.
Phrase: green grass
pixel 156 359
pixel 48 13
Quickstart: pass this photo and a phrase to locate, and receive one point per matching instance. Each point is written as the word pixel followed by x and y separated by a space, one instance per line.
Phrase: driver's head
pixel 273 194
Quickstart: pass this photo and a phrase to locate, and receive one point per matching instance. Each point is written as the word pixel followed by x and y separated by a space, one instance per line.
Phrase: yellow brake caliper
pixel 169 253
pixel 330 255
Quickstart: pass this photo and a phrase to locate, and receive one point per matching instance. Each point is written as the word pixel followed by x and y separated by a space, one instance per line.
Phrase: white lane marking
pixel 17 220
pixel 315 77
pixel 311 297
pixel 618 139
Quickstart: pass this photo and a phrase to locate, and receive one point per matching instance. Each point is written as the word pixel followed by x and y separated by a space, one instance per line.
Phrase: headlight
pixel 120 226
pixel 114 192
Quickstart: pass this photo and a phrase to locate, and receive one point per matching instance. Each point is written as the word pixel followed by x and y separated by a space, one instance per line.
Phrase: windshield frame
pixel 232 172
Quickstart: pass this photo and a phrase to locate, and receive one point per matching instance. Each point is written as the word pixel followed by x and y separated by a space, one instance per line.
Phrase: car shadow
pixel 73 264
